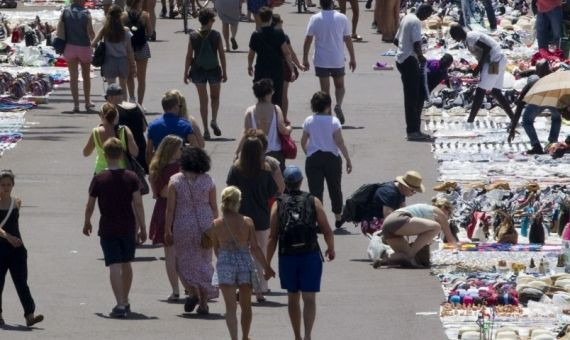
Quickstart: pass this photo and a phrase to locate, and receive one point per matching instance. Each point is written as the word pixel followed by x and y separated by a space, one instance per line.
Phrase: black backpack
pixel 360 206
pixel 297 224
pixel 138 40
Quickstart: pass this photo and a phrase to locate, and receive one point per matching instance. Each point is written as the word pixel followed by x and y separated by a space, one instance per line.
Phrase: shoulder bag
pixel 134 165
pixel 99 55
pixel 59 41
pixel 288 146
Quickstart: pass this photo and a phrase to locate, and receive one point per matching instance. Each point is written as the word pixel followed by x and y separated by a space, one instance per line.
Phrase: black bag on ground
pixel 536 231
pixel 99 55
pixel 423 256
pixel 359 206
pixel 297 224
pixel 138 40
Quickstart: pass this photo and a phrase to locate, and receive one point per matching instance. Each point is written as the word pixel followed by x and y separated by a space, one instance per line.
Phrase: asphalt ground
pixel 68 278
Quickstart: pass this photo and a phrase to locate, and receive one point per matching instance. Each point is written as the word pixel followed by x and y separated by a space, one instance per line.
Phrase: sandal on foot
pixel 75 109
pixel 382 66
pixel 216 128
pixel 234 44
pixel 261 299
pixel 207 135
pixel 356 38
pixel 203 310
pixel 190 304
pixel 34 320
pixel 173 297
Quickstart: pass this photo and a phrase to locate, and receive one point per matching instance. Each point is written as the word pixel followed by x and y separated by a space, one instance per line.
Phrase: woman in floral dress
pixel 191 207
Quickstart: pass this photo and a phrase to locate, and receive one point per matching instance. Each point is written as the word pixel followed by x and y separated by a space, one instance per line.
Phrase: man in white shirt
pixel 409 61
pixel 491 65
pixel 331 30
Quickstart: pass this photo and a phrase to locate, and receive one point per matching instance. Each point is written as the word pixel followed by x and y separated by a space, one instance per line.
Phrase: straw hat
pixel 412 180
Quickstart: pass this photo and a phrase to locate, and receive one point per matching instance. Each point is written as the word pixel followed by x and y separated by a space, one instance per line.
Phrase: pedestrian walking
pixel 190 210
pixel 165 164
pixel 410 61
pixel 549 18
pixel 295 221
pixel 387 17
pixel 466 13
pixel 108 129
pixel 355 15
pixel 268 117
pixel 78 27
pixel 149 6
pixel 184 114
pixel 206 63
pixel 330 30
pixel 491 66
pixel 424 221
pixel 277 22
pixel 234 241
pixel 132 116
pixel 13 253
pixel 118 193
pixel 139 23
pixel 268 47
pixel 119 58
pixel 229 13
pixel 171 123
pixel 273 163
pixel 252 175
pixel 322 142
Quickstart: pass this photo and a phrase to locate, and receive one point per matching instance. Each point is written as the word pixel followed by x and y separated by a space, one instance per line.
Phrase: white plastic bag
pixel 376 248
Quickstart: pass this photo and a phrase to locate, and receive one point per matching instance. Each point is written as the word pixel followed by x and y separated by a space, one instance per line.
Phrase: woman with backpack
pixel 139 23
pixel 206 63
pixel 119 57
pixel 322 142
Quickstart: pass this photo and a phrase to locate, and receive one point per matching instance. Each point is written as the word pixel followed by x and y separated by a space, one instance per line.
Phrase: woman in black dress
pixel 13 254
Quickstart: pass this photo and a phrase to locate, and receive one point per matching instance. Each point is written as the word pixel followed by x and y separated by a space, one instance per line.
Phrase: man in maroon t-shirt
pixel 116 190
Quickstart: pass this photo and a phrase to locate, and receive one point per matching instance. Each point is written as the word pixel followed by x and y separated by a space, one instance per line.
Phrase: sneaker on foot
pixel 338 223
pixel 418 136
pixel 207 135
pixel 163 12
pixel 536 150
pixel 190 304
pixel 339 114
pixel 118 312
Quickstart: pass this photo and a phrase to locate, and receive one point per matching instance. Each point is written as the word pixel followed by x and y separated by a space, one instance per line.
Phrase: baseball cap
pixel 292 174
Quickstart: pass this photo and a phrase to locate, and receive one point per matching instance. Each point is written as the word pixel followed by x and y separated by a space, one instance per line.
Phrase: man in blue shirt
pixel 171 123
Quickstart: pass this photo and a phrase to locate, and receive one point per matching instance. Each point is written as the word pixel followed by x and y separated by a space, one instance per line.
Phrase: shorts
pixel 118 249
pixel 83 54
pixel 143 53
pixel 201 76
pixel 325 72
pixel 488 81
pixel 301 272
pixel 115 67
pixel 393 222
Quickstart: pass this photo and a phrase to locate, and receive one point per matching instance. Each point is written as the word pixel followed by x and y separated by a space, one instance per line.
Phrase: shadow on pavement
pixel 221 139
pixel 342 231
pixel 275 294
pixel 139 259
pixel 18 328
pixel 149 246
pixel 194 316
pixel 349 127
pixel 269 304
pixel 131 316
pixel 177 302
pixel 361 260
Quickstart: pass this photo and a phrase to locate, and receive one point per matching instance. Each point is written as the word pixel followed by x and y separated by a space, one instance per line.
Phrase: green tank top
pixel 100 161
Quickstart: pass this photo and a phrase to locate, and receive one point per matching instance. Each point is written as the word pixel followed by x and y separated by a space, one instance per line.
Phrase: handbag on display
pixel 99 55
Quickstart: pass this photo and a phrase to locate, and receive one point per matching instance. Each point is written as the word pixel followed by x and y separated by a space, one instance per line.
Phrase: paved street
pixel 68 278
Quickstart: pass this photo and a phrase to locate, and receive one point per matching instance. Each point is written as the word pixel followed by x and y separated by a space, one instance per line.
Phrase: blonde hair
pixel 181 102
pixel 231 198
pixel 113 148
pixel 166 150
pixel 443 204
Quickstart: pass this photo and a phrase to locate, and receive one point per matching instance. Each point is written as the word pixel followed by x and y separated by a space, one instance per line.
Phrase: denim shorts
pixel 201 76
pixel 301 272
pixel 324 72
pixel 118 249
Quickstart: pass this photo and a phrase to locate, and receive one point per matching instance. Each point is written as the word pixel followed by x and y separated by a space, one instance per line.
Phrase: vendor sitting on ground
pixel 438 72
pixel 421 220
pixel 491 64
pixel 531 111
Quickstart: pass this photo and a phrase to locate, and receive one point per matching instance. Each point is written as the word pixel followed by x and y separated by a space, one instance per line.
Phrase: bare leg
pixel 342 6
pixel 72 66
pixel 203 297
pixel 257 21
pixel 285 100
pixel 151 12
pixel 170 263
pixel 233 30
pixel 355 15
pixel 215 100
pixel 86 75
pixel 203 97
pixel 325 84
pixel 294 309
pixel 229 294
pixel 123 83
pixel 141 79
pixel 116 278
pixel 309 312
pixel 131 85
pixel 226 34
pixel 263 239
pixel 339 90
pixel 127 274
pixel 425 230
pixel 245 305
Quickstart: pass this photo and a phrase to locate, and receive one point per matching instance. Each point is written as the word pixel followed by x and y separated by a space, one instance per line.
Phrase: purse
pixel 99 55
pixel 59 41
pixel 134 165
pixel 288 146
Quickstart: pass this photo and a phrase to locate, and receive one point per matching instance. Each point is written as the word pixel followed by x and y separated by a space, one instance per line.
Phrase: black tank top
pixel 11 227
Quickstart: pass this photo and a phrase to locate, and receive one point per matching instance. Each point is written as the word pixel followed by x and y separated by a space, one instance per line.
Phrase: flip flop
pixel 382 66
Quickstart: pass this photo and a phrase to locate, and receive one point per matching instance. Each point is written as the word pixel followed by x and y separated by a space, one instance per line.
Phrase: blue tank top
pixel 75 20
pixel 420 210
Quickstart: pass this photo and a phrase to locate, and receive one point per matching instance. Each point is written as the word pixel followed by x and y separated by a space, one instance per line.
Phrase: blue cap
pixel 114 90
pixel 292 174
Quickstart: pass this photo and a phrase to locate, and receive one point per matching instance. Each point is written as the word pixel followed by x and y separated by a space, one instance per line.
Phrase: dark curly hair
pixel 194 159
pixel 262 88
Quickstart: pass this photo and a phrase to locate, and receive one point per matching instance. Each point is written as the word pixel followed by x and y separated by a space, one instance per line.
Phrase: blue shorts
pixel 301 272
pixel 118 249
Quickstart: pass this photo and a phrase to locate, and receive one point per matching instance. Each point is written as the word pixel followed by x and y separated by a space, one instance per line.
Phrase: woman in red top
pixel 164 164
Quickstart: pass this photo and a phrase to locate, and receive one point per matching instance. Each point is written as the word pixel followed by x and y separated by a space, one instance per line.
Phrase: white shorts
pixel 488 81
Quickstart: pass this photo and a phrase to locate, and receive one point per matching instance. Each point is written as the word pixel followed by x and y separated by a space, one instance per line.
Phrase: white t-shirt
pixel 473 37
pixel 410 32
pixel 329 29
pixel 321 129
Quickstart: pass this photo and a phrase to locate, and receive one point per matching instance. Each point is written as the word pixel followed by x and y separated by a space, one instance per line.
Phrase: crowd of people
pixel 262 207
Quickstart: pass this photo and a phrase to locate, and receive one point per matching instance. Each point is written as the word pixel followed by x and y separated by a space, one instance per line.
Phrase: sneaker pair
pixel 418 137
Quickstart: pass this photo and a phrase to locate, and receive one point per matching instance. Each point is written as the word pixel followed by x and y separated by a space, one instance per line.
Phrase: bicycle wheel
pixel 185 6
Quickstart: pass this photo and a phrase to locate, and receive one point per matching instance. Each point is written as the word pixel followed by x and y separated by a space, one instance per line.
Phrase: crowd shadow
pixel 269 304
pixel 130 316
pixel 195 316
pixel 18 328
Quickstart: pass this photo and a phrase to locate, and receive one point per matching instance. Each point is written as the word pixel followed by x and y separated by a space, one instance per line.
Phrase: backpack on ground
pixel 360 206
pixel 138 40
pixel 297 224
pixel 207 58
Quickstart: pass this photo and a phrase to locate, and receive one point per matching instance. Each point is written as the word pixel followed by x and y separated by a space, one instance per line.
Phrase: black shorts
pixel 323 72
pixel 201 76
pixel 118 249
